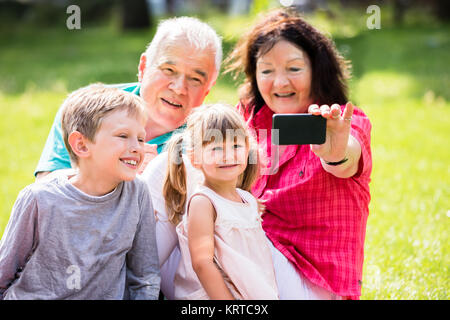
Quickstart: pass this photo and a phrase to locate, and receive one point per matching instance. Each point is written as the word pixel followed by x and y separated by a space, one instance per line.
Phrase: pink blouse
pixel 318 221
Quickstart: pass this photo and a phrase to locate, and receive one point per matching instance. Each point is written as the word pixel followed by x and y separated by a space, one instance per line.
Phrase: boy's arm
pixel 143 279
pixel 55 155
pixel 19 238
pixel 201 247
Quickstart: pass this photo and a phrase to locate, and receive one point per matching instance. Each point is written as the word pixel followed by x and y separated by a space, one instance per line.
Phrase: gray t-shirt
pixel 65 244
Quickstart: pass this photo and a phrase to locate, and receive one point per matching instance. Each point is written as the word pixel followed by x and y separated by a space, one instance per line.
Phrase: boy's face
pixel 118 149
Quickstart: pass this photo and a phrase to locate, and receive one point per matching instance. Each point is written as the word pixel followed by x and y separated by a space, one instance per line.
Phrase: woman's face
pixel 283 76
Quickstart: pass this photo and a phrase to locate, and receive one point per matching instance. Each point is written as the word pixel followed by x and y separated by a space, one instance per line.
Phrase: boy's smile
pixel 131 162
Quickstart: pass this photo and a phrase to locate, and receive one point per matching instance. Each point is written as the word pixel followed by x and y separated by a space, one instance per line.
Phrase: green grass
pixel 400 79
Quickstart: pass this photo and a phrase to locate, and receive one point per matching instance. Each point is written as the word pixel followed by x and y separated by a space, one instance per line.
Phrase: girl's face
pixel 224 161
pixel 283 76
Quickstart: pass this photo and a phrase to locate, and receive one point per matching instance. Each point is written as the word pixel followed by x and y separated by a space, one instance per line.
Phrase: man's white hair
pixel 199 35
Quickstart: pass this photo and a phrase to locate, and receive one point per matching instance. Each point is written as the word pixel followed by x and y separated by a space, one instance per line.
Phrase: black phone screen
pixel 298 128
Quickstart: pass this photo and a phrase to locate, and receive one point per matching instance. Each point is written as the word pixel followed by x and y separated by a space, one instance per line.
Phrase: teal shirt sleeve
pixel 55 155
pixel 162 140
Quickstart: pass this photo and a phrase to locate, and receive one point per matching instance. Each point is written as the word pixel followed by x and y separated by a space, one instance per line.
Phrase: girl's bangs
pixel 222 127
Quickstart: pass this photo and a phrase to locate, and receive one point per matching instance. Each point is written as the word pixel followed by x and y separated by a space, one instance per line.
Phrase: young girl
pixel 225 253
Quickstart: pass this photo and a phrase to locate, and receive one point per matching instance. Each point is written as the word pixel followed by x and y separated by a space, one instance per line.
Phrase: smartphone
pixel 299 128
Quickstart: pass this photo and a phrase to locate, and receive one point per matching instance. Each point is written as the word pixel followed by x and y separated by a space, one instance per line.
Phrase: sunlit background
pixel 400 78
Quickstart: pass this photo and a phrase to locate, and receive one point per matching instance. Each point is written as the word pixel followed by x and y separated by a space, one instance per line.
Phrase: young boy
pixel 90 235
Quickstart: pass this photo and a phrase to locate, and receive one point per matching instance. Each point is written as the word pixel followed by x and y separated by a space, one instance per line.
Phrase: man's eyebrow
pixel 202 73
pixel 198 71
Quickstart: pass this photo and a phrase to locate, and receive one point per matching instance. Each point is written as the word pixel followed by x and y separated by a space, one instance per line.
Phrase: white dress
pixel 241 251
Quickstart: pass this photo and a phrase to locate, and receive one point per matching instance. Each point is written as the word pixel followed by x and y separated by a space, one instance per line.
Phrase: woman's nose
pixel 281 80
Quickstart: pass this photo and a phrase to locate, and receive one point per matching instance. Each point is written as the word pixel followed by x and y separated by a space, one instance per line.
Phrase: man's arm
pixel 41 174
pixel 55 155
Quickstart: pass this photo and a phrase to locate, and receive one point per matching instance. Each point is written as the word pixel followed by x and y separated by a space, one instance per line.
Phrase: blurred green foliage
pixel 400 79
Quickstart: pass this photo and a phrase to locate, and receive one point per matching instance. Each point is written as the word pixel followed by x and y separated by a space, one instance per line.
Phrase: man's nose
pixel 178 85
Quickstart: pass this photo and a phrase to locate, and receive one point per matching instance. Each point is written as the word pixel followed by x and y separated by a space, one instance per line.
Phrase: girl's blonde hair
pixel 204 125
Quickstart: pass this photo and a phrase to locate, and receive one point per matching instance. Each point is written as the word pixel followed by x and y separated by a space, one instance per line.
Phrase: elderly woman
pixel 317 200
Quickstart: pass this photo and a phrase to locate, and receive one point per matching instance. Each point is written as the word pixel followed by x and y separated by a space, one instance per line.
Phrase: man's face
pixel 175 82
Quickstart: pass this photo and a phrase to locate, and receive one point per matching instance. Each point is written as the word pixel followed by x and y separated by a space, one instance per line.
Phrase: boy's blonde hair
pixel 84 109
pixel 203 126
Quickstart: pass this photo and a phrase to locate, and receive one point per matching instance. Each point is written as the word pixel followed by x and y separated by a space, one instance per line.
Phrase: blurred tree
pixel 400 7
pixel 237 7
pixel 170 5
pixel 13 9
pixel 135 14
pixel 442 9
pixel 223 5
pixel 438 8
pixel 92 11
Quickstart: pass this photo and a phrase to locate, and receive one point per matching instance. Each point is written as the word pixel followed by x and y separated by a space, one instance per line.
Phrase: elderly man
pixel 176 72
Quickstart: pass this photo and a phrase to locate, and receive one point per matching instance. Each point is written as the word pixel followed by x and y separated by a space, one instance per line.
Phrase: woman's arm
pixel 348 168
pixel 201 217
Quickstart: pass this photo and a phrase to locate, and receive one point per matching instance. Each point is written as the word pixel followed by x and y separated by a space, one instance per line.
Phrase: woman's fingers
pixel 335 111
pixel 314 109
pixel 325 110
pixel 348 112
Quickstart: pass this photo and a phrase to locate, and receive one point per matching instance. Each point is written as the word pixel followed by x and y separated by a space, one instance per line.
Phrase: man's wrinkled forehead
pixel 173 53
